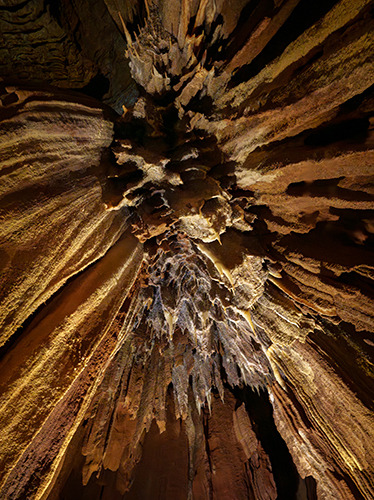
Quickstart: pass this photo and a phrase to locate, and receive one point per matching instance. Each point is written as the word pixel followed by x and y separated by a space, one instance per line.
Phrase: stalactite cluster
pixel 186 250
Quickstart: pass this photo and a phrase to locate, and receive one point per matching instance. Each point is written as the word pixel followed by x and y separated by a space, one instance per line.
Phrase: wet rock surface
pixel 186 250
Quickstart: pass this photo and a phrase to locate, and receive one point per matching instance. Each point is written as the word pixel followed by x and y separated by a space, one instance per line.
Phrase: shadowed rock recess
pixel 186 249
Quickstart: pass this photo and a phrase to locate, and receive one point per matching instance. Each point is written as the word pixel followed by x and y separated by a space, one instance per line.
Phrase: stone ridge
pixel 186 250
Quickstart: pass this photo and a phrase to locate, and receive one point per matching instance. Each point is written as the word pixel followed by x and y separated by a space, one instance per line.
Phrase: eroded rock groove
pixel 186 250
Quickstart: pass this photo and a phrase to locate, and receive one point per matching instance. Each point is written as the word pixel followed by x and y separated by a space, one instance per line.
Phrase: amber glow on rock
pixel 186 250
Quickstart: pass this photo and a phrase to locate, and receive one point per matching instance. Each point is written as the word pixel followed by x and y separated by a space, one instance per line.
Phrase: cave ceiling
pixel 186 249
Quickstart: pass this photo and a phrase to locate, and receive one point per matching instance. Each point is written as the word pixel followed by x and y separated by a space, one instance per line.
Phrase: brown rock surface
pixel 186 250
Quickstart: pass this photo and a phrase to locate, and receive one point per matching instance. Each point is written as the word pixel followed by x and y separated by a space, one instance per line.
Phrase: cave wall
pixel 186 249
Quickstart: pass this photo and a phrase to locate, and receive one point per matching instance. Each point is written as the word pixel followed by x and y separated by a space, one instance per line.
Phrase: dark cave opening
pixel 97 87
pixel 285 473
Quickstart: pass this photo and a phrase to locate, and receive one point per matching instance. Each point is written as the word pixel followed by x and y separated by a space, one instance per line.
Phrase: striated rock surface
pixel 186 250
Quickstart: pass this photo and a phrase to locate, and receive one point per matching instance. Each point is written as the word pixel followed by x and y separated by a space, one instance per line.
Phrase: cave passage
pixel 186 250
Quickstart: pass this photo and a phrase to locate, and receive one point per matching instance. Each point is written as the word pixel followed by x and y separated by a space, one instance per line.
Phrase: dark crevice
pixel 357 495
pixel 304 15
pixel 349 355
pixel 311 487
pixel 338 248
pixel 97 87
pixel 250 16
pixel 54 9
pixel 326 188
pixel 207 450
pixel 14 8
pixel 260 412
pixel 352 130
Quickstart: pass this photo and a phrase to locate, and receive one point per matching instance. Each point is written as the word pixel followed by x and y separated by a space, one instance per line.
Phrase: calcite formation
pixel 186 250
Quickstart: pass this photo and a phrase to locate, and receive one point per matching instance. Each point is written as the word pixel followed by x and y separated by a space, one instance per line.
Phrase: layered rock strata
pixel 186 287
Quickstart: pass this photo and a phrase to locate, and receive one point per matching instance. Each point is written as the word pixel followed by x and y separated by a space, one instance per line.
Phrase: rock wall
pixel 186 250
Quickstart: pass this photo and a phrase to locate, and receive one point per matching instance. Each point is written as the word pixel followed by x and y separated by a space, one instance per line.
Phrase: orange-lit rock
pixel 187 286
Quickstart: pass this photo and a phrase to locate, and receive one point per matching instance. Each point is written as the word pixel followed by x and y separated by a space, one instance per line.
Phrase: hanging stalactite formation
pixel 186 250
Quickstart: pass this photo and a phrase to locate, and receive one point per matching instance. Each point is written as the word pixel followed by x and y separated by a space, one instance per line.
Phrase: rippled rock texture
pixel 186 250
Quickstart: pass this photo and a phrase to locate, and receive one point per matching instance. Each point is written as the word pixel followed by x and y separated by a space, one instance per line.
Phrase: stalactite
pixel 186 250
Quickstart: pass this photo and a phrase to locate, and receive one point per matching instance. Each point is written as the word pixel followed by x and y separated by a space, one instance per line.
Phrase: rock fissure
pixel 186 250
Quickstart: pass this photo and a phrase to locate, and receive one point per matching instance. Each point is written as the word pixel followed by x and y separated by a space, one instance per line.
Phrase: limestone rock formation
pixel 186 250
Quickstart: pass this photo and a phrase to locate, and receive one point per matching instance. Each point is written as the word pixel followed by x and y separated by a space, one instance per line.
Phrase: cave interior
pixel 186 250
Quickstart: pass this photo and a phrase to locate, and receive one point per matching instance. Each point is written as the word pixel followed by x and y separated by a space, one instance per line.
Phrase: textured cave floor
pixel 186 250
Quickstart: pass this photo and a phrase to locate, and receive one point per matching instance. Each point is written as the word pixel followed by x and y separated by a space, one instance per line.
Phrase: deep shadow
pixel 260 412
pixel 303 17
pixel 347 130
pixel 97 87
